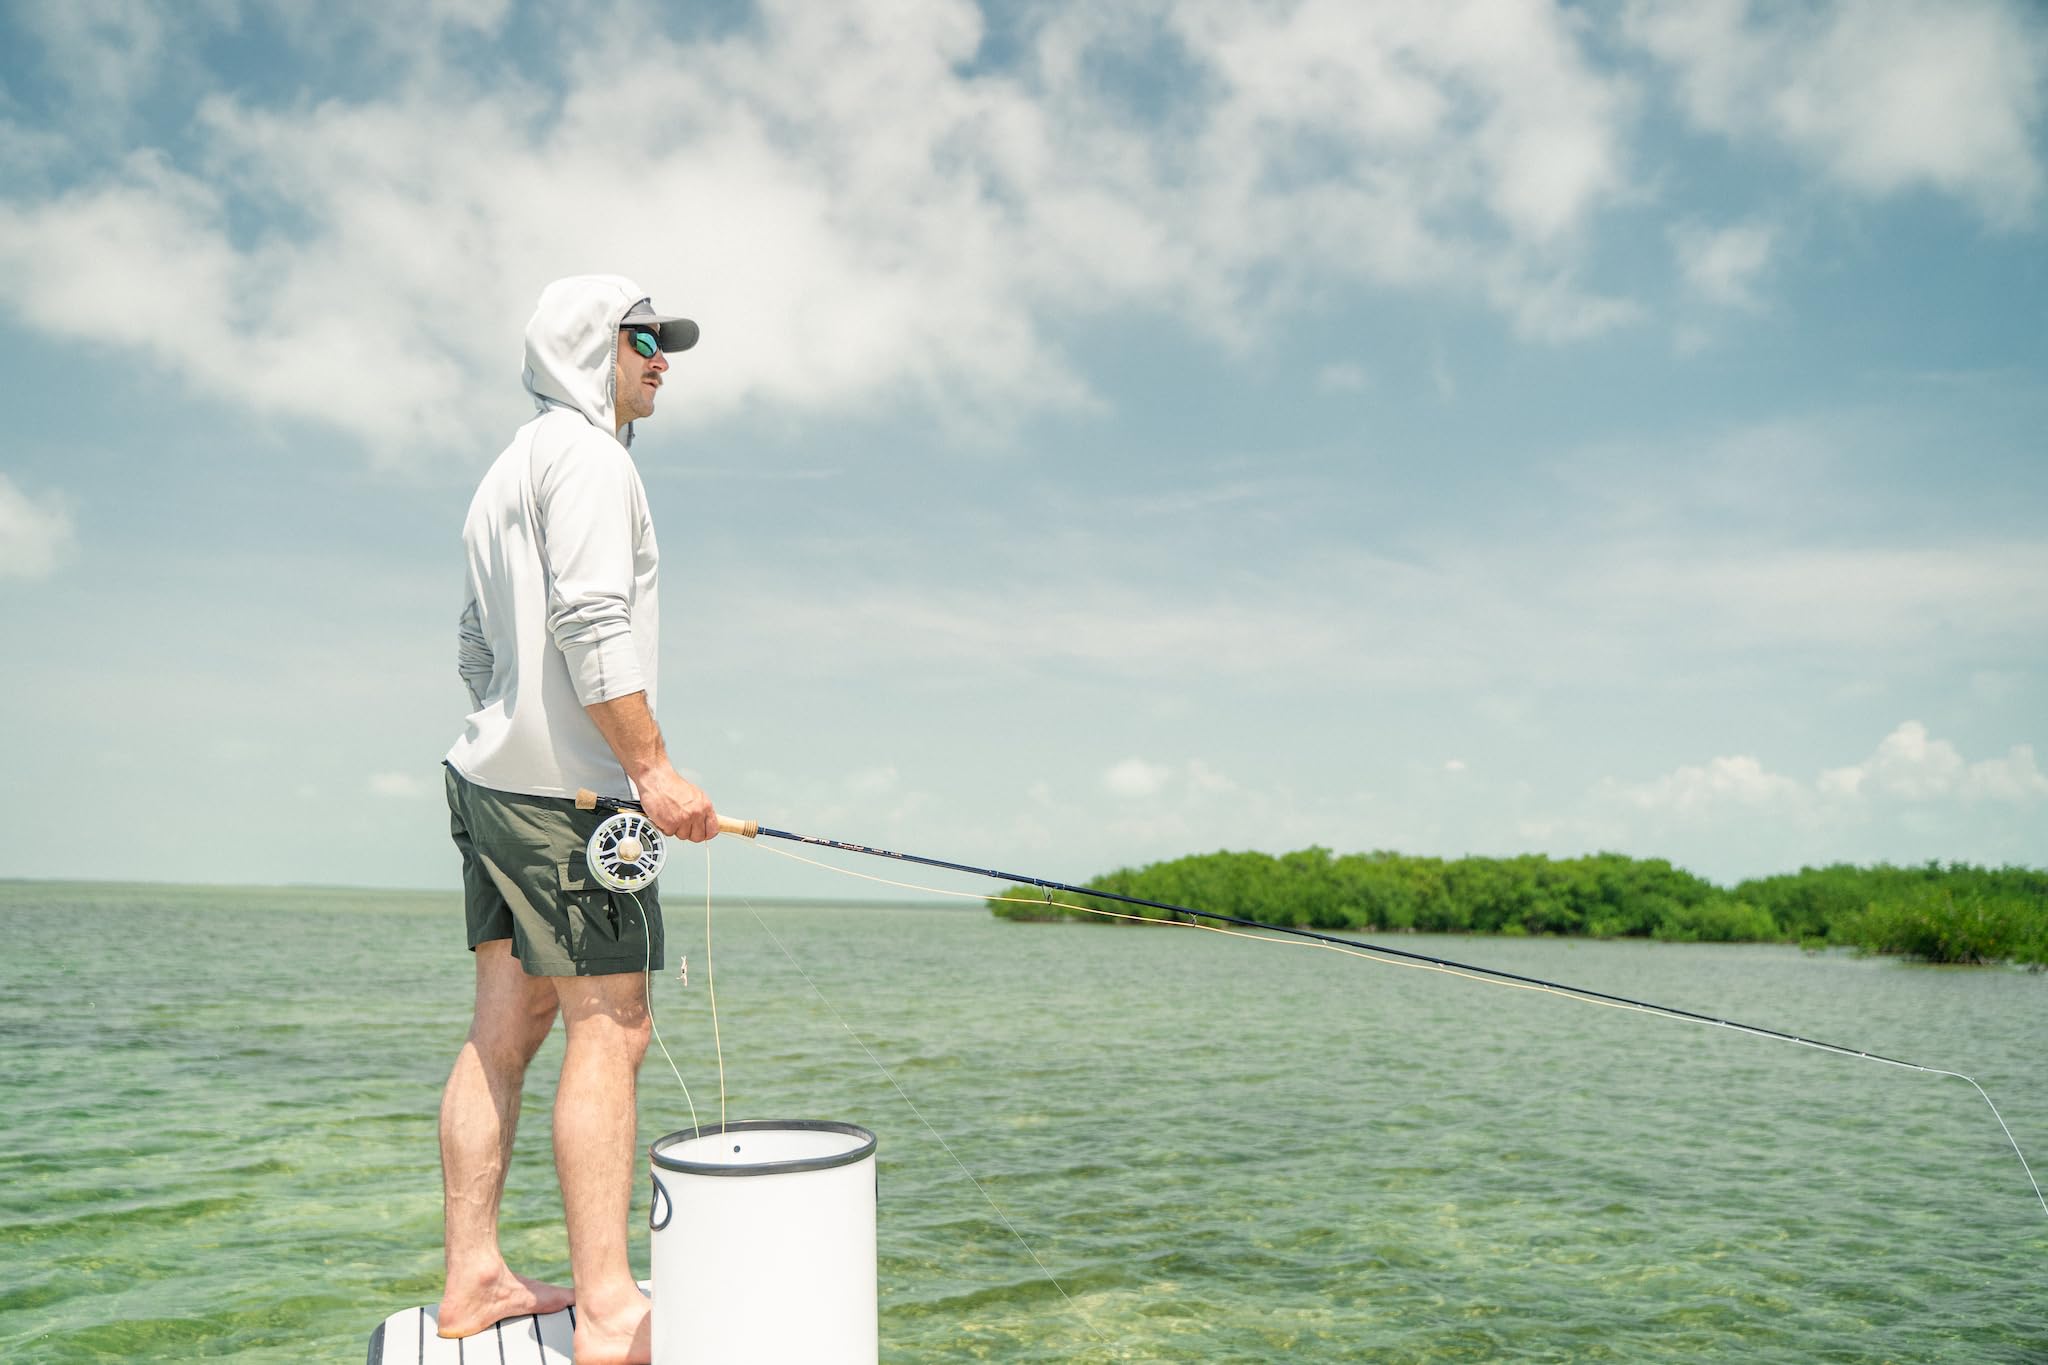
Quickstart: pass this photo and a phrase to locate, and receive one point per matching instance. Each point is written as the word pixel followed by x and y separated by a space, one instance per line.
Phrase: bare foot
pixel 620 1335
pixel 468 1308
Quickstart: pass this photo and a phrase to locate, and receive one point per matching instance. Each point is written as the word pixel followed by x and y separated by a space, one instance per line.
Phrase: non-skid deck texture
pixel 409 1338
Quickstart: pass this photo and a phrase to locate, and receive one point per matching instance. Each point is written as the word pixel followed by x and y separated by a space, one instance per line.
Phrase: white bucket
pixel 764 1244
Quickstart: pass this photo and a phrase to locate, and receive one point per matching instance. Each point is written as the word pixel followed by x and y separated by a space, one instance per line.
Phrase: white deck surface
pixel 409 1338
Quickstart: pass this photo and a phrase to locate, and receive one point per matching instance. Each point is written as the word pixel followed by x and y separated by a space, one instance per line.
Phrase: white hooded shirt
pixel 561 609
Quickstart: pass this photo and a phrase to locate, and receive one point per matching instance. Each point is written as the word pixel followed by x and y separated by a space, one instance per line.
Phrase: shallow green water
pixel 219 1136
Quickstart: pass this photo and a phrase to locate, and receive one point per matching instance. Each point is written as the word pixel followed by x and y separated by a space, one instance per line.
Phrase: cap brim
pixel 677 334
pixel 674 334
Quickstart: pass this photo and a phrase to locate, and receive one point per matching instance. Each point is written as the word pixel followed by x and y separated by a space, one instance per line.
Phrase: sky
pixel 1118 431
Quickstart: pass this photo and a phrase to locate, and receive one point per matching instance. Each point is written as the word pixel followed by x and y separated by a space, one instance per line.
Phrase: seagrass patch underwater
pixel 221 1135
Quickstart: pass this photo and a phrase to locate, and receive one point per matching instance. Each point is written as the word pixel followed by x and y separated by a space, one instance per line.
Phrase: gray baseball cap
pixel 674 334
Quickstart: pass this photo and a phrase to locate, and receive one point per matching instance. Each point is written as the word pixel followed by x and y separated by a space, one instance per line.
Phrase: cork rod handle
pixel 587 799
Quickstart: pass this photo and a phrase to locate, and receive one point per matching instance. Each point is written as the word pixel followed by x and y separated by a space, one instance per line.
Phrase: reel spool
pixel 626 852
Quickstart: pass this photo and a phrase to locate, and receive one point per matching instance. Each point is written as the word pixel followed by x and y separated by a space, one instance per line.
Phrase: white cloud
pixel 1910 765
pixel 856 211
pixel 862 210
pixel 35 532
pixel 1722 264
pixel 1916 797
pixel 1135 778
pixel 102 50
pixel 1554 308
pixel 1739 779
pixel 1452 100
pixel 1882 95
pixel 2016 778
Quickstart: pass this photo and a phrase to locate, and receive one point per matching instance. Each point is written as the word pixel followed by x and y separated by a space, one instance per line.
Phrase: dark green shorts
pixel 524 878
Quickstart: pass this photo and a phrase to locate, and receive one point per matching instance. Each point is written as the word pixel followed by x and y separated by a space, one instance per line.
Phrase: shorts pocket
pixel 594 920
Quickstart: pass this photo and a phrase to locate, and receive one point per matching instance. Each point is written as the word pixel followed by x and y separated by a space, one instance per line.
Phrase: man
pixel 558 645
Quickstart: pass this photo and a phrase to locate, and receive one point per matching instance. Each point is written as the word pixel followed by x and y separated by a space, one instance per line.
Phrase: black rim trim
pixel 865 1150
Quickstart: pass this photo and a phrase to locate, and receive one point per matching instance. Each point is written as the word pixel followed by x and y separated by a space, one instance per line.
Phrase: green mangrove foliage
pixel 1951 913
pixel 1944 913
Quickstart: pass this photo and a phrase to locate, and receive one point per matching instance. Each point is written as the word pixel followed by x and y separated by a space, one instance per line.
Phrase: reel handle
pixel 587 799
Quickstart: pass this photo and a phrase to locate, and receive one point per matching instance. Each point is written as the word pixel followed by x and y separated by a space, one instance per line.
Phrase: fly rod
pixel 751 829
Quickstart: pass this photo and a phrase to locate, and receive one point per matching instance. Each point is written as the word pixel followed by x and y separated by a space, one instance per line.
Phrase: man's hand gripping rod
pixel 587 799
pixel 626 850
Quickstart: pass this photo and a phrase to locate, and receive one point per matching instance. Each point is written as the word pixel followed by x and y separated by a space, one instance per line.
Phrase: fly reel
pixel 626 852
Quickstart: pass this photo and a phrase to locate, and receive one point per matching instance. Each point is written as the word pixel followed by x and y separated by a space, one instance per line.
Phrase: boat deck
pixel 408 1337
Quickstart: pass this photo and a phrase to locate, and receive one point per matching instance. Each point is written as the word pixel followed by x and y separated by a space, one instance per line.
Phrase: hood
pixel 572 345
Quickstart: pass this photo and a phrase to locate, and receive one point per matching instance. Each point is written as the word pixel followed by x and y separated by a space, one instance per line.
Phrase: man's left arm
pixel 473 657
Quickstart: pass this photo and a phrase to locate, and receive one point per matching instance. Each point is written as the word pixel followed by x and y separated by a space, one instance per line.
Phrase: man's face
pixel 638 377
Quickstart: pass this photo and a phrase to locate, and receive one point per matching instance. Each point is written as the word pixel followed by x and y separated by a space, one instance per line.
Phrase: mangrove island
pixel 1953 912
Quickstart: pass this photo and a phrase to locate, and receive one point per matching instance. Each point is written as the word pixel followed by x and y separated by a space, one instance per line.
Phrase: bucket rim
pixel 861 1152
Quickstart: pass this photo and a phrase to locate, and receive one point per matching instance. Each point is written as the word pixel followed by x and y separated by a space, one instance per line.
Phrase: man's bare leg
pixel 595 1131
pixel 479 1111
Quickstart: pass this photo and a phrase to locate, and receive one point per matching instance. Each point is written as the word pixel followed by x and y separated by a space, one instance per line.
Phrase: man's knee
pixel 627 1030
pixel 608 1012
pixel 635 1040
pixel 508 1040
pixel 513 1012
pixel 632 1050
pixel 505 1055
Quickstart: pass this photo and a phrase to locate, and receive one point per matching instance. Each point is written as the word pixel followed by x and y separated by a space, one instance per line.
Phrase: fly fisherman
pixel 558 647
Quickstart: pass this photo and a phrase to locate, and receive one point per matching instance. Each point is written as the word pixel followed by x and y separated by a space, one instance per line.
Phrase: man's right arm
pixel 586 530
pixel 676 805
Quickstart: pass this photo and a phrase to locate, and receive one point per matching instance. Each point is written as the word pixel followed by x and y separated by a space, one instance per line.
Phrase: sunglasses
pixel 645 342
